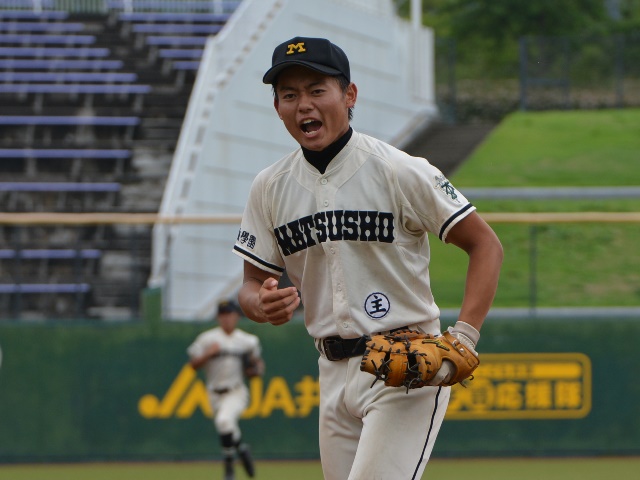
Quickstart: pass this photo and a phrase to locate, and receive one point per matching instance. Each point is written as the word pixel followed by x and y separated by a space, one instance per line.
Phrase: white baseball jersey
pixel 225 370
pixel 353 240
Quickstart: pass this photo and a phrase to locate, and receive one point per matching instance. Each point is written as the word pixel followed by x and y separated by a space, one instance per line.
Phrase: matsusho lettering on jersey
pixel 353 225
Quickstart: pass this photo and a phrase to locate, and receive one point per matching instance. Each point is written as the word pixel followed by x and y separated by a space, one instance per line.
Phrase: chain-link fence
pixel 580 72
pixel 570 72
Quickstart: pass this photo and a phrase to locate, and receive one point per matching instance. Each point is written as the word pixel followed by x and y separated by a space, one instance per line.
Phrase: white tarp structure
pixel 231 130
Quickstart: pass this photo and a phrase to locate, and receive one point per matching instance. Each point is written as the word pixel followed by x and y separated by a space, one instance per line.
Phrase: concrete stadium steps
pixel 448 146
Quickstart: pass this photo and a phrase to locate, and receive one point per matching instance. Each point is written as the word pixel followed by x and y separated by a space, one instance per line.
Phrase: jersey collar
pixel 320 160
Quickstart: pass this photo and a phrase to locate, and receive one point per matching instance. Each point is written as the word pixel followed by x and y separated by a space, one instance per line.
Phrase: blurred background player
pixel 228 354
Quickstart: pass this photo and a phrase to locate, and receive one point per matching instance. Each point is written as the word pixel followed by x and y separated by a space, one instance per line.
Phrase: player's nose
pixel 304 103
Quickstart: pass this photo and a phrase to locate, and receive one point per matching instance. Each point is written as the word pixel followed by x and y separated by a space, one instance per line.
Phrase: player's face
pixel 313 107
pixel 228 321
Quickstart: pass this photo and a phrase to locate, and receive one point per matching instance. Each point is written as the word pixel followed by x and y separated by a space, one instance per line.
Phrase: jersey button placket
pixel 324 192
pixel 340 302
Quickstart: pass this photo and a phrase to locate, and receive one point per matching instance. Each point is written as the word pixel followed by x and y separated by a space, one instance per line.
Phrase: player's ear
pixel 351 95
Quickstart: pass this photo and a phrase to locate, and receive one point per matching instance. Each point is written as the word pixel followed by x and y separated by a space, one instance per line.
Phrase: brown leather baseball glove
pixel 411 359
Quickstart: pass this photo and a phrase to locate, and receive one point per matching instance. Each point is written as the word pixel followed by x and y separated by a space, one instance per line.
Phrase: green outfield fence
pixel 546 387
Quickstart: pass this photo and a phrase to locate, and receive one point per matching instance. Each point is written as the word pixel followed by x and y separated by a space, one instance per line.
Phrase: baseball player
pixel 227 355
pixel 347 216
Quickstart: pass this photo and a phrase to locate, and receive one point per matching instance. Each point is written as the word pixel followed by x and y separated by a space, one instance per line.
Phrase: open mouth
pixel 310 126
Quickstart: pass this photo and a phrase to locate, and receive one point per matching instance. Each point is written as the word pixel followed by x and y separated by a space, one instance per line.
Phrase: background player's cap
pixel 315 53
pixel 228 306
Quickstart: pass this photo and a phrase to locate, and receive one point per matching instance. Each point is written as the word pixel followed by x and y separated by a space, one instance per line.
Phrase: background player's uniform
pixel 353 241
pixel 224 373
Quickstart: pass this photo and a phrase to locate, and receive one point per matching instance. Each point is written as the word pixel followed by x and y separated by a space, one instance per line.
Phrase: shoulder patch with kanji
pixel 442 184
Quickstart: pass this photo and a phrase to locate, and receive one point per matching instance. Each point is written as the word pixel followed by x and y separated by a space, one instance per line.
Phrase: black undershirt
pixel 321 159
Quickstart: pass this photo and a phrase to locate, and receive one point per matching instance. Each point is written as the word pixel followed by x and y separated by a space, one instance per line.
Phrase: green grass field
pixel 569 148
pixel 485 469
pixel 577 264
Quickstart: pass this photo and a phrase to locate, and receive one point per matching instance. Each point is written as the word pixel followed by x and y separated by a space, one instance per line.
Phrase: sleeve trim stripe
pixel 452 218
pixel 257 259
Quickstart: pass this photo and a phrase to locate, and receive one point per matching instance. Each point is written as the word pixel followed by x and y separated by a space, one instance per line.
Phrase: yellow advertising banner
pixel 506 386
pixel 187 394
pixel 509 386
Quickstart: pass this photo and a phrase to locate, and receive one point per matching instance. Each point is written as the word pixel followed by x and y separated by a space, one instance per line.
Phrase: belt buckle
pixel 327 352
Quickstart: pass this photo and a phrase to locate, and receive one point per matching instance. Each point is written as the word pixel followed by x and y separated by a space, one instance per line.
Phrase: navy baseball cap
pixel 318 54
pixel 228 306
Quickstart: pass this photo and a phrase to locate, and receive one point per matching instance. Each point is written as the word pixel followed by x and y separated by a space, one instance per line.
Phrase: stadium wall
pixel 546 387
pixel 231 130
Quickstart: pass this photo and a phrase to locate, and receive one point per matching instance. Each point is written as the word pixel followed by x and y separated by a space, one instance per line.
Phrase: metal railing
pixel 98 265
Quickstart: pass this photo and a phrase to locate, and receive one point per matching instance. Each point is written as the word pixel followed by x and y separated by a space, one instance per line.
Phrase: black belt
pixel 222 391
pixel 337 348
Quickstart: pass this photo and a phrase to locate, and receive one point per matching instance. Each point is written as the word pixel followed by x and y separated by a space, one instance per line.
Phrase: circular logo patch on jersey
pixel 377 305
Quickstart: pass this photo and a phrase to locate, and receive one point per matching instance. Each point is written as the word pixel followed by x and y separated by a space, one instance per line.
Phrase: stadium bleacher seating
pixel 27 4
pixel 55 292
pixel 58 196
pixel 180 53
pixel 39 161
pixel 59 187
pixel 68 90
pixel 185 28
pixel 73 157
pixel 44 52
pixel 174 17
pixel 48 253
pixel 176 6
pixel 186 65
pixel 67 77
pixel 58 63
pixel 32 15
pixel 69 120
pixel 46 39
pixel 68 27
pixel 44 287
pixel 74 88
pixel 77 128
pixel 72 123
pixel 62 153
pixel 176 41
